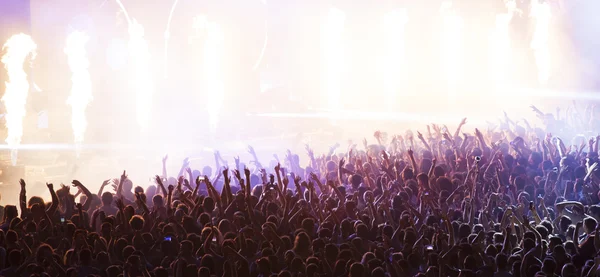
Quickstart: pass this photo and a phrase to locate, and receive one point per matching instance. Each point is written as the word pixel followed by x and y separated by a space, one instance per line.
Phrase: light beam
pixel 81 91
pixel 393 63
pixel 18 48
pixel 333 56
pixel 540 11
pixel 452 45
pixel 213 71
pixel 142 81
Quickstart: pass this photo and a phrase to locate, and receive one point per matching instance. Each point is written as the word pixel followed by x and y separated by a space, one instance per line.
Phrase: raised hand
pixel 237 175
pixel 226 173
pixel 165 158
pixel 77 184
pixel 251 150
pixel 22 183
pixel 535 109
pixel 49 185
pixel 263 172
pixel 119 203
pixel 384 155
pixel 158 180
pixel 314 177
pixel 309 151
pixel 124 175
pixel 341 163
pixel 377 134
pixel 278 167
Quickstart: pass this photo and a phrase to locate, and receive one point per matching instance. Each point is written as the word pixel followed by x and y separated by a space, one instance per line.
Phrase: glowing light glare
pixel 81 91
pixel 213 71
pixel 393 63
pixel 500 47
pixel 167 37
pixel 262 51
pixel 452 44
pixel 540 10
pixel 333 56
pixel 18 48
pixel 140 57
pixel 142 81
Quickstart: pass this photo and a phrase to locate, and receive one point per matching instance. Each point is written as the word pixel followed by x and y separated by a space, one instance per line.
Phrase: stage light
pixel 168 37
pixel 333 56
pixel 540 11
pixel 213 71
pixel 452 46
pixel 266 41
pixel 393 63
pixel 143 84
pixel 500 49
pixel 142 80
pixel 18 48
pixel 81 90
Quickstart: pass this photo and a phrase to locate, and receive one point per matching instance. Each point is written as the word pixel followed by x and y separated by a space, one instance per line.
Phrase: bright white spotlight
pixel 142 81
pixel 393 63
pixel 81 91
pixel 452 45
pixel 213 71
pixel 500 49
pixel 143 84
pixel 333 56
pixel 18 48
pixel 167 37
pixel 540 11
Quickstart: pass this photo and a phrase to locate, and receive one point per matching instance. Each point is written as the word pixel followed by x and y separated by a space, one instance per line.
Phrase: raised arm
pixel 254 157
pixel 413 162
pixel 161 185
pixel 460 125
pixel 86 191
pixel 184 165
pixel 54 205
pixel 23 199
pixel 422 139
pixel 164 166
pixel 120 186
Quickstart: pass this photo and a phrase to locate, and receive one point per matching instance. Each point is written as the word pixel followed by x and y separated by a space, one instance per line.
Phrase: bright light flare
pixel 500 49
pixel 452 44
pixel 333 56
pixel 142 80
pixel 393 63
pixel 81 90
pixel 540 11
pixel 18 48
pixel 213 73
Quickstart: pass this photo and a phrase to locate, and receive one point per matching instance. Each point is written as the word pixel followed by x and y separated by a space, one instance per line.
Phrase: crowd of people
pixel 508 201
